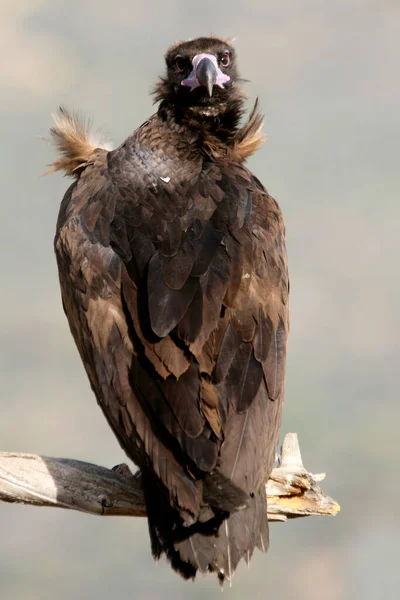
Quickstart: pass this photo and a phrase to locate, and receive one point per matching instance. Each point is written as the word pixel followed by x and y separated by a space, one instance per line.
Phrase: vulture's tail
pixel 233 516
pixel 237 537
pixel 75 145
pixel 219 539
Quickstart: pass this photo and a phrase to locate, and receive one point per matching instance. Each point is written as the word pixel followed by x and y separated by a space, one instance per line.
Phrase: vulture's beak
pixel 206 73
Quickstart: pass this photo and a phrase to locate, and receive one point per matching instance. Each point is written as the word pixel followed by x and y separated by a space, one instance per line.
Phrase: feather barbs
pixel 76 146
pixel 249 137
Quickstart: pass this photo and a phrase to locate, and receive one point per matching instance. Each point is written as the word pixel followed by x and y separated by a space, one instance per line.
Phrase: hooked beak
pixel 205 73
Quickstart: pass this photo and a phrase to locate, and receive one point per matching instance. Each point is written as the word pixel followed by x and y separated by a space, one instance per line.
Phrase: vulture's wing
pixel 175 286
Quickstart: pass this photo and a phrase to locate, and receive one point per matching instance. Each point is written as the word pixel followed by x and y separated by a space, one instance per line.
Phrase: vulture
pixel 174 281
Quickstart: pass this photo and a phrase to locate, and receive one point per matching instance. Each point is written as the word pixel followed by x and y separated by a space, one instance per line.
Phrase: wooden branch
pixel 65 483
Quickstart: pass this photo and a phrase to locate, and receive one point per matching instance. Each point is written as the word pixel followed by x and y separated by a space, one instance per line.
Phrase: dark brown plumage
pixel 173 273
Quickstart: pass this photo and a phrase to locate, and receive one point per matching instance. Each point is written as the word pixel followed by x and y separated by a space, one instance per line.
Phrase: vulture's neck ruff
pixel 207 124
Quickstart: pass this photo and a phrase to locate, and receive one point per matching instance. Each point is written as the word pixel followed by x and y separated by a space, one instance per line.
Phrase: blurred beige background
pixel 327 74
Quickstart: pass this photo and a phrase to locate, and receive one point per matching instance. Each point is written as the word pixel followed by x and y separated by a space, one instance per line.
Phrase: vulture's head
pixel 201 76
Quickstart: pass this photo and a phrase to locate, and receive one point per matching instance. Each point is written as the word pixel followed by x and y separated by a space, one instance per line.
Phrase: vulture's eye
pixel 225 59
pixel 180 63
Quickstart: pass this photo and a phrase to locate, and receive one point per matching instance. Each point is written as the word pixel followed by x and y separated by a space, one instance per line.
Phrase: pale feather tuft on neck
pixel 249 137
pixel 76 145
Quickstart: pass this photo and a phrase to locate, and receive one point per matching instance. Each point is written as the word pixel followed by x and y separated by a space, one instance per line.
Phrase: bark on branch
pixel 66 483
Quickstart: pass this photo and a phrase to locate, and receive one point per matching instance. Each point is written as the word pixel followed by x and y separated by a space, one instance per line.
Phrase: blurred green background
pixel 327 74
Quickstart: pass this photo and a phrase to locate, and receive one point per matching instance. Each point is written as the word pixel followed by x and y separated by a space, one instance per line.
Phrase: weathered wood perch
pixel 66 483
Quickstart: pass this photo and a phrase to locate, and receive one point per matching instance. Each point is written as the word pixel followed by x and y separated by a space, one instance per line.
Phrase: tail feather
pixel 242 532
pixel 216 542
pixel 72 137
pixel 237 537
pixel 233 512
